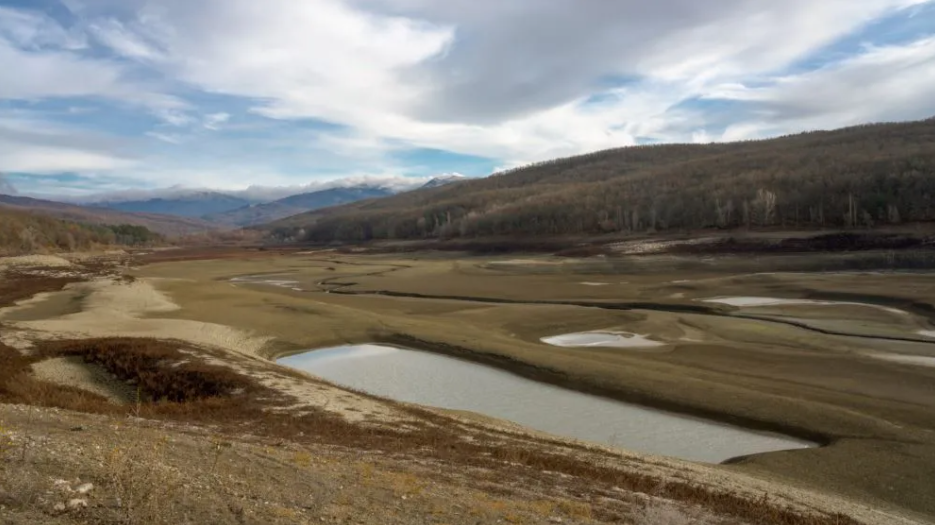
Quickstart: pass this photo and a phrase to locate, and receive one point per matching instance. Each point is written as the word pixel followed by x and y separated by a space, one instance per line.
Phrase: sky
pixel 110 95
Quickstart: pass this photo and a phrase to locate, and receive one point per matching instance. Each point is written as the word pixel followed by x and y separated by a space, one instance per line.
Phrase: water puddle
pixel 919 360
pixel 774 301
pixel 268 280
pixel 430 379
pixel 602 339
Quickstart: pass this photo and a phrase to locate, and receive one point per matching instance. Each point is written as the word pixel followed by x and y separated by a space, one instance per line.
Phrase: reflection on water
pixel 435 380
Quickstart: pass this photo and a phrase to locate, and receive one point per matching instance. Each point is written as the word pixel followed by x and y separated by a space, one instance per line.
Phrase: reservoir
pixel 435 380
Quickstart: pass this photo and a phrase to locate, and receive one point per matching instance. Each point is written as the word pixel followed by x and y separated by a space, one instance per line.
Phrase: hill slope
pixel 22 232
pixel 861 176
pixel 164 224
pixel 295 204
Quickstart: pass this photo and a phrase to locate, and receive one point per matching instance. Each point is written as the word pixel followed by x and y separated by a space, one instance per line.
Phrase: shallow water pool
pixel 435 380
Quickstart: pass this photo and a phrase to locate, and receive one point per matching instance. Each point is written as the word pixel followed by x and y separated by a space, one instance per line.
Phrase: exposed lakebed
pixel 430 379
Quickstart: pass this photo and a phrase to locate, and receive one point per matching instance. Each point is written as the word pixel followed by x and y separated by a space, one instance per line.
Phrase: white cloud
pixel 34 30
pixel 506 81
pixel 883 83
pixel 514 81
pixel 173 117
pixel 41 74
pixel 213 121
pixel 34 145
pixel 166 137
pixel 113 34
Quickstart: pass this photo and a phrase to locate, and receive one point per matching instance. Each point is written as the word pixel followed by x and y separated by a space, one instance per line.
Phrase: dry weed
pixel 142 485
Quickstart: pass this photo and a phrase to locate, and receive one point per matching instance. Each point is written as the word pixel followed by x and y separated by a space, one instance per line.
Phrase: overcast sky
pixel 103 95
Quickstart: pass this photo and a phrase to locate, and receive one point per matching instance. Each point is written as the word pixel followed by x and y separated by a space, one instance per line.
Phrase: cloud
pixel 318 90
pixel 34 30
pixel 509 81
pixel 883 83
pixel 166 137
pixel 122 41
pixel 34 145
pixel 214 120
pixel 258 193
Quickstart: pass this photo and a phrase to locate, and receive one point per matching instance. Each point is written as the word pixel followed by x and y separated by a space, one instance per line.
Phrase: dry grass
pixel 142 484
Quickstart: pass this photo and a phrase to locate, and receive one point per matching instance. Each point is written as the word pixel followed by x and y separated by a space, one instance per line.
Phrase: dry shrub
pixel 143 487
pixel 160 370
pixel 667 513
pixel 19 386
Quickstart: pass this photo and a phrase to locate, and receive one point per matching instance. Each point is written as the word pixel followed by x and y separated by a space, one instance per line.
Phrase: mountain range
pixel 227 210
pixel 177 211
pixel 197 204
pixel 253 214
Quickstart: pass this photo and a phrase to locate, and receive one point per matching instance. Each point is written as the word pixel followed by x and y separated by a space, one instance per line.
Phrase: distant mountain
pixel 293 205
pixel 441 180
pixel 195 204
pixel 164 224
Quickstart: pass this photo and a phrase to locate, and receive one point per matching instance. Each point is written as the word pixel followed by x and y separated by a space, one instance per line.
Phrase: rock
pixel 84 488
pixel 59 507
pixel 62 485
pixel 78 428
pixel 555 519
pixel 75 504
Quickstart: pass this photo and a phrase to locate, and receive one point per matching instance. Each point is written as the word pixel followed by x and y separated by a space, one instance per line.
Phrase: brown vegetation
pixel 859 177
pixel 25 233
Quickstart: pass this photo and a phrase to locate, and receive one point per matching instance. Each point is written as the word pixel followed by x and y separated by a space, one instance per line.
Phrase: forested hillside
pixel 22 233
pixel 858 177
pixel 163 224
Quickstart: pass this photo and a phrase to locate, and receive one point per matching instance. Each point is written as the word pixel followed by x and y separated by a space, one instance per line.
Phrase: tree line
pixel 23 233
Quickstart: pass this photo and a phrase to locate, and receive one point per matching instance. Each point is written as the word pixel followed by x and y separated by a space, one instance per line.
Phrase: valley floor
pixel 285 447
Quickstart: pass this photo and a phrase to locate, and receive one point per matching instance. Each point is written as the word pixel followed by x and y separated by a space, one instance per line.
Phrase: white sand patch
pixel 926 333
pixel 115 309
pixel 74 372
pixel 774 301
pixel 524 262
pixel 259 279
pixel 588 283
pixel 919 360
pixel 602 339
pixel 49 261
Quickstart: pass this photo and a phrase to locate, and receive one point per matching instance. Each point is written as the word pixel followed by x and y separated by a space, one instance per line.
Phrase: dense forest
pixel 858 177
pixel 22 233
